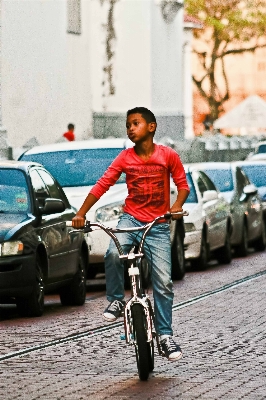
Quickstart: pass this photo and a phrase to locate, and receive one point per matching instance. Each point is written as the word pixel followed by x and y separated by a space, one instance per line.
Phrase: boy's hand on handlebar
pixel 78 222
pixel 175 209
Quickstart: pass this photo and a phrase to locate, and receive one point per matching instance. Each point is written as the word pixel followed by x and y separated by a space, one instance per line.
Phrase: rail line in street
pixel 106 328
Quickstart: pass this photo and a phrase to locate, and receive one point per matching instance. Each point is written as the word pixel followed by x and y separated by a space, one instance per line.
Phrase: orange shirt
pixel 148 182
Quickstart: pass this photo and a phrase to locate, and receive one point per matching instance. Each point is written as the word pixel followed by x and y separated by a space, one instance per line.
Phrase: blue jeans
pixel 157 250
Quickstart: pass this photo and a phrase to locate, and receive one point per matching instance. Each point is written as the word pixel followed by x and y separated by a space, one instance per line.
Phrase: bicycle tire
pixel 143 355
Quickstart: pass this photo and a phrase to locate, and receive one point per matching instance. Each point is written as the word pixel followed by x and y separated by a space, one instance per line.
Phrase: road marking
pixel 106 328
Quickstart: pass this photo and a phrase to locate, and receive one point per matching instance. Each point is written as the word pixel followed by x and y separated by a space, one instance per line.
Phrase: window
pixel 40 190
pixel 74 16
pixel 14 195
pixel 50 183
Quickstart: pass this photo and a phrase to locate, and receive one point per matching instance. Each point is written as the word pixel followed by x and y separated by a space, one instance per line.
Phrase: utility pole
pixel 4 148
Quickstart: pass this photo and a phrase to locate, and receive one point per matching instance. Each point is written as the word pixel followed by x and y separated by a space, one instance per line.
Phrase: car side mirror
pixel 250 189
pixel 53 206
pixel 209 195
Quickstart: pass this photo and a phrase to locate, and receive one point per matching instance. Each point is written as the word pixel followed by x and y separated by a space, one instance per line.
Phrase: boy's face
pixel 138 129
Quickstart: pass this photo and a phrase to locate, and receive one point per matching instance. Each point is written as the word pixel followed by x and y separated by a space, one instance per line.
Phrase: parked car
pixel 77 166
pixel 245 203
pixel 259 152
pixel 38 253
pixel 256 172
pixel 208 227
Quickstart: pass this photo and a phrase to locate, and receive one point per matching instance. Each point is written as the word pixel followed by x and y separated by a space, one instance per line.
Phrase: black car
pixel 38 252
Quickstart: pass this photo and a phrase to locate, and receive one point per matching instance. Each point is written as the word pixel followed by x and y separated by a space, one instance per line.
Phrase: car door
pixel 71 239
pixel 209 208
pixel 251 205
pixel 51 231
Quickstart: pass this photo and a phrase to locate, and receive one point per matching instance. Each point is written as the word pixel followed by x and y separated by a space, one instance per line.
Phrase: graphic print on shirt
pixel 147 184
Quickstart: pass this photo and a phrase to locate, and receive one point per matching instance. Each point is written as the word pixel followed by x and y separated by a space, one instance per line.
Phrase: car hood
pixel 8 222
pixel 228 196
pixel 77 195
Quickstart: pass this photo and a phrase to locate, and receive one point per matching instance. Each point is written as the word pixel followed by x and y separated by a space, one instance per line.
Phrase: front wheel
pixel 225 252
pixel 178 258
pixel 144 350
pixel 242 248
pixel 33 305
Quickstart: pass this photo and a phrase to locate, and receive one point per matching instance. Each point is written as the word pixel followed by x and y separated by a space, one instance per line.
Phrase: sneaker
pixel 170 349
pixel 114 310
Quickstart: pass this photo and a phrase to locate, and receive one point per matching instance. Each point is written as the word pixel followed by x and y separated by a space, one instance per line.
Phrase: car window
pixel 256 174
pixel 39 187
pixel 241 180
pixel 50 183
pixel 209 184
pixel 262 148
pixel 222 179
pixel 201 185
pixel 14 193
pixel 77 167
pixel 192 197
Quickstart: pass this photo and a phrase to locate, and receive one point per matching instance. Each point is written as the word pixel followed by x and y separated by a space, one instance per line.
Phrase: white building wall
pixel 45 71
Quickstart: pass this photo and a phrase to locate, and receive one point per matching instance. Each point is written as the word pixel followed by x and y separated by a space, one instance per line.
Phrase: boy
pixel 148 167
pixel 69 135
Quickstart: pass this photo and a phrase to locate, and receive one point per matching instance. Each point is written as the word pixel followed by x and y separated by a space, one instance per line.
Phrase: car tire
pixel 75 293
pixel 201 262
pixel 260 244
pixel 33 305
pixel 178 258
pixel 242 249
pixel 225 252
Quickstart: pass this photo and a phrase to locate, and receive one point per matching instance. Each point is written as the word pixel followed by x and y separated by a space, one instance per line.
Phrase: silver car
pixel 208 226
pixel 245 204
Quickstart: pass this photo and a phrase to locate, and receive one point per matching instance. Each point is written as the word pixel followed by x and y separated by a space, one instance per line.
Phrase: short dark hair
pixel 145 113
pixel 70 127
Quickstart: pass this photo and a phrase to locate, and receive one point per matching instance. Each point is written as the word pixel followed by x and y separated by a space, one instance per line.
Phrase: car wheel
pixel 33 305
pixel 75 293
pixel 178 258
pixel 201 262
pixel 242 248
pixel 225 252
pixel 260 244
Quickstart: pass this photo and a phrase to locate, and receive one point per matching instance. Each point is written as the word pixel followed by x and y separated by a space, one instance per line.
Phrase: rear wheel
pixel 33 305
pixel 201 262
pixel 225 252
pixel 242 248
pixel 75 293
pixel 144 350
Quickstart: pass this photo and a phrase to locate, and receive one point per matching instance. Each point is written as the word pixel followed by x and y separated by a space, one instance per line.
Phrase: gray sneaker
pixel 170 349
pixel 114 310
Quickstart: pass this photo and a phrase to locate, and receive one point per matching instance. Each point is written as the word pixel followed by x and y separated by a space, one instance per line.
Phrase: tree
pixel 229 27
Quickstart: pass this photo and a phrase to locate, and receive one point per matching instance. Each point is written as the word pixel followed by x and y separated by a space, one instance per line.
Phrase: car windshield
pixel 262 148
pixel 14 195
pixel 77 167
pixel 256 174
pixel 222 178
pixel 192 197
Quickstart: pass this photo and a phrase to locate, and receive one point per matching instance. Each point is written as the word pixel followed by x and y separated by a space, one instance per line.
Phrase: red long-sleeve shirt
pixel 148 182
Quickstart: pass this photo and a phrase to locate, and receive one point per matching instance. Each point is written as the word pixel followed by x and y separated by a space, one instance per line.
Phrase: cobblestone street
pixel 222 337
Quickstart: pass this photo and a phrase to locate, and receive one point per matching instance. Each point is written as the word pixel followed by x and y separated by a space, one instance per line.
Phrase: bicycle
pixel 138 313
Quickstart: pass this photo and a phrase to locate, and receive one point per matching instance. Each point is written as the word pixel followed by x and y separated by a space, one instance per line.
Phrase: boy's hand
pixel 78 222
pixel 174 209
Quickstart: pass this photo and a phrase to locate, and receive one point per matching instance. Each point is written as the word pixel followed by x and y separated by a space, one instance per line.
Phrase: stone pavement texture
pixel 222 337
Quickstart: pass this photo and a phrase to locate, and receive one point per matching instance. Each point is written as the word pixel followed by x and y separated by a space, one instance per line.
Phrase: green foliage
pixel 229 27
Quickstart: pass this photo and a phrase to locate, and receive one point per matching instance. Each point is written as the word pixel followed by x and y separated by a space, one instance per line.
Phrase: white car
pixel 77 166
pixel 208 227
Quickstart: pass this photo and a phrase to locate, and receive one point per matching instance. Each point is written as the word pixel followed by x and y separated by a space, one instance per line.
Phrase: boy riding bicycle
pixel 147 167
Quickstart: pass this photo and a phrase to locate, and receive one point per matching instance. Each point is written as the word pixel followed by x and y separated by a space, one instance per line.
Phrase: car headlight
pixel 109 212
pixel 189 227
pixel 11 248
